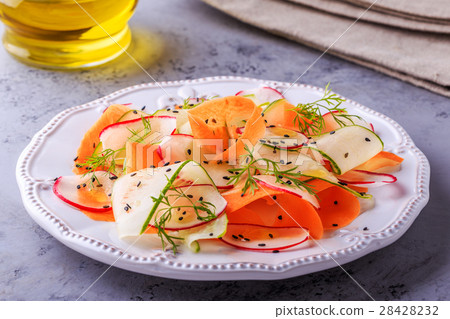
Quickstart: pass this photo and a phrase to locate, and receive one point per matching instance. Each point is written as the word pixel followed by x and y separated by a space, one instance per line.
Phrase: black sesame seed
pixel 241 236
pixel 365 228
pixel 134 174
pixel 342 183
pixel 214 121
pixel 332 132
pixel 335 225
pixel 189 151
pixel 106 206
pixel 270 235
pixel 280 217
pixel 126 208
pixel 274 150
pixel 168 109
pixel 78 165
pixel 175 112
pixel 261 245
pixel 274 197
pixel 280 176
pixel 226 178
pixel 165 164
pixel 93 145
pixel 286 135
pixel 128 205
pixel 93 179
pixel 55 179
pixel 113 177
pixel 75 158
pixel 288 163
pixel 190 196
pixel 234 236
pixel 78 186
pixel 219 162
pixel 242 195
pixel 109 195
pixel 201 198
pixel 346 155
pixel 100 185
pixel 211 234
pixel 282 161
pixel 206 121
pixel 271 125
pixel 313 143
pixel 181 218
pixel 246 239
pixel 275 143
pixel 205 162
pixel 282 142
pixel 367 139
pixel 262 114
pixel 176 162
pixel 265 121
pixel 152 166
pixel 362 194
pixel 168 170
pixel 143 108
pixel 289 182
pixel 262 141
pixel 304 144
pixel 138 184
pixel 335 202
pixel 135 112
pixel 84 185
pixel 184 213
pixel 275 251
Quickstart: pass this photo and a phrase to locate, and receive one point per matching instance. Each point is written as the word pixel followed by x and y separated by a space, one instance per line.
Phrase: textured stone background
pixel 187 39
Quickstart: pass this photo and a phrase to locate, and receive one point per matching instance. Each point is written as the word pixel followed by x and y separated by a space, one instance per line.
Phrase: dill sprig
pixel 141 135
pixel 187 103
pixel 309 116
pixel 105 161
pixel 289 177
pixel 169 199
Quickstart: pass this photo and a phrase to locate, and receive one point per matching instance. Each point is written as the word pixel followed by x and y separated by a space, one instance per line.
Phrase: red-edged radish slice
pixel 270 181
pixel 261 95
pixel 283 138
pixel 133 195
pixel 85 193
pixel 115 136
pixel 367 179
pixel 264 238
pixel 176 147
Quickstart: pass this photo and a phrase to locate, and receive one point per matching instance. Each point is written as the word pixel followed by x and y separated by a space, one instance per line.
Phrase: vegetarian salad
pixel 251 170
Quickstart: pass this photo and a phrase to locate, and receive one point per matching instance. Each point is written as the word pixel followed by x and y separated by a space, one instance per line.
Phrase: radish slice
pixel 282 138
pixel 116 135
pixel 367 179
pixel 176 147
pixel 270 181
pixel 264 238
pixel 84 193
pixel 133 196
pixel 261 95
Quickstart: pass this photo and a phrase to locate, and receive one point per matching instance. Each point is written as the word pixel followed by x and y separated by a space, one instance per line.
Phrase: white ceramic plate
pixel 52 149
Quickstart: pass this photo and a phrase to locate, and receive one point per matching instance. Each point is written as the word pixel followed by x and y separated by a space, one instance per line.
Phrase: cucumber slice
pixel 132 195
pixel 348 147
pixel 288 159
pixel 214 229
pixel 183 126
pixel 283 138
pixel 176 147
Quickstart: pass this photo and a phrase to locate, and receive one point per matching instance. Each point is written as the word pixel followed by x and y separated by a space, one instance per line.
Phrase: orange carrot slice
pixel 101 217
pixel 379 161
pixel 91 138
pixel 273 208
pixel 338 207
pixel 140 156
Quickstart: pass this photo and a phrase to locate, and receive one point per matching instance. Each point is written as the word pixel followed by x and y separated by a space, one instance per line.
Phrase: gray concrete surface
pixel 187 39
